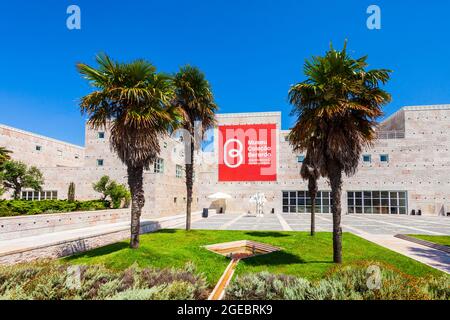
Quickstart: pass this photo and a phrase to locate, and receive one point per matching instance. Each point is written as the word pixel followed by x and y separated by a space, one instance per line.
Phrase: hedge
pixel 10 208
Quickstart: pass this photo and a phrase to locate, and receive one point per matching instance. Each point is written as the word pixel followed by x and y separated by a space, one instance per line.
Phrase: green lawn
pixel 302 255
pixel 443 240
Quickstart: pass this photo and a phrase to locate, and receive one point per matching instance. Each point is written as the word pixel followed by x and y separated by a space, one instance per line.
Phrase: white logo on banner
pixel 233 153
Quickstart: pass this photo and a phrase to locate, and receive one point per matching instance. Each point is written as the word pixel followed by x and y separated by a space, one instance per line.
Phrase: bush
pixel 52 280
pixel 26 207
pixel 342 283
pixel 118 193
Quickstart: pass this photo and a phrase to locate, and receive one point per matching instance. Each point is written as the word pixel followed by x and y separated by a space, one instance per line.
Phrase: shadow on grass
pixel 166 231
pixel 267 234
pixel 111 248
pixel 276 259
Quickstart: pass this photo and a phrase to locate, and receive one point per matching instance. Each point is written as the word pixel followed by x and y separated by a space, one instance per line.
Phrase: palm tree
pixel 4 155
pixel 310 172
pixel 134 101
pixel 193 95
pixel 337 105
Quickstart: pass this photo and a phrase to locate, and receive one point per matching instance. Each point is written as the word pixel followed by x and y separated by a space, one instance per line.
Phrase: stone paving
pixel 379 229
pixel 358 224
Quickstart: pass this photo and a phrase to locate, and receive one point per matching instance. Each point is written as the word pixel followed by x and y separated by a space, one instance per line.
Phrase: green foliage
pixel 15 175
pixel 343 283
pixel 4 155
pixel 301 255
pixel 71 192
pixel 25 207
pixel 118 193
pixel 101 186
pixel 51 280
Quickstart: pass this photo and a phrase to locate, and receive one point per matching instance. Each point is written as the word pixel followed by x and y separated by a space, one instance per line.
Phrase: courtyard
pixel 357 224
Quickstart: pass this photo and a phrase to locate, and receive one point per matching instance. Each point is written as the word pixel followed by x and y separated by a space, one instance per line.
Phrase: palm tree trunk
pixel 189 183
pixel 335 173
pixel 312 188
pixel 17 190
pixel 135 182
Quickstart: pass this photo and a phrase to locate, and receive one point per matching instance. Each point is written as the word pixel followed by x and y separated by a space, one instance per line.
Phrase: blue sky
pixel 250 50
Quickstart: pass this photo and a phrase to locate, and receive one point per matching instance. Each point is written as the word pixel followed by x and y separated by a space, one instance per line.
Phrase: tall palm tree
pixel 134 101
pixel 310 172
pixel 338 104
pixel 4 155
pixel 194 96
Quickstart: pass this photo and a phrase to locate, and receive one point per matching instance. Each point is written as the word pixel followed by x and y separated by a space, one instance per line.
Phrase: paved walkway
pixel 379 229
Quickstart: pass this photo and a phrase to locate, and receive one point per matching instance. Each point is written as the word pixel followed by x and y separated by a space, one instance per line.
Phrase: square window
pixel 100 162
pixel 38 148
pixel 179 171
pixel 367 158
pixel 384 158
pixel 300 158
pixel 101 135
pixel 158 166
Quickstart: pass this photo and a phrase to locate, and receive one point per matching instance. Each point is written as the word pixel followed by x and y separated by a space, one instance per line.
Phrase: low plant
pixel 47 280
pixel 350 282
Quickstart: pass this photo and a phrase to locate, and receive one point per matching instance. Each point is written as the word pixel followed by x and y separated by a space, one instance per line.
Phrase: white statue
pixel 259 198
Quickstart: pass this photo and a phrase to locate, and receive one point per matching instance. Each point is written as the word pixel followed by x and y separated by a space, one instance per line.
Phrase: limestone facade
pixel 411 157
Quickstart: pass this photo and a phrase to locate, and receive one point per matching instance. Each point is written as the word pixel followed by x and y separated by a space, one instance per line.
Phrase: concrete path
pixel 379 229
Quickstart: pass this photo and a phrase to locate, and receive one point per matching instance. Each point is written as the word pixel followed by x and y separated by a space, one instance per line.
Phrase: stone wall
pixel 419 164
pixel 27 226
pixel 52 153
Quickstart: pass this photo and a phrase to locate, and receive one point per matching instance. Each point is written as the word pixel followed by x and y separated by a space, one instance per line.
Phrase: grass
pixel 302 255
pixel 442 240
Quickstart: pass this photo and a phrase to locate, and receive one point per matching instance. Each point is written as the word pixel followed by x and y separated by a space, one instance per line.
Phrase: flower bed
pixel 52 280
pixel 352 282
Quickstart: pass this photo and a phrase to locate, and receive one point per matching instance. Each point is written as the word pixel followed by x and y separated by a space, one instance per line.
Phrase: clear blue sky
pixel 250 50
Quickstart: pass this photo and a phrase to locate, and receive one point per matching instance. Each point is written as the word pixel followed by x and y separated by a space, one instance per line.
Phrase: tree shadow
pixel 276 259
pixel 272 234
pixel 166 231
pixel 111 248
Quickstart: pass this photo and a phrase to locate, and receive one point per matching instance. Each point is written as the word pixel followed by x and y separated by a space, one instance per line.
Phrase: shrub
pixel 47 280
pixel 341 283
pixel 71 192
pixel 22 207
pixel 118 193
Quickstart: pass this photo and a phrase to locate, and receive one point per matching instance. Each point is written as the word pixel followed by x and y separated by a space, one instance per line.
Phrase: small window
pixel 100 162
pixel 77 156
pixel 59 153
pixel 165 145
pixel 175 200
pixel 179 171
pixel 286 138
pixel 300 158
pixel 159 166
pixel 384 158
pixel 101 135
pixel 38 148
pixel 367 158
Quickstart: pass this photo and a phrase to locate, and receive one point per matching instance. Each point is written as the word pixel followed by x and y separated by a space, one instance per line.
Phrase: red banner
pixel 247 152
